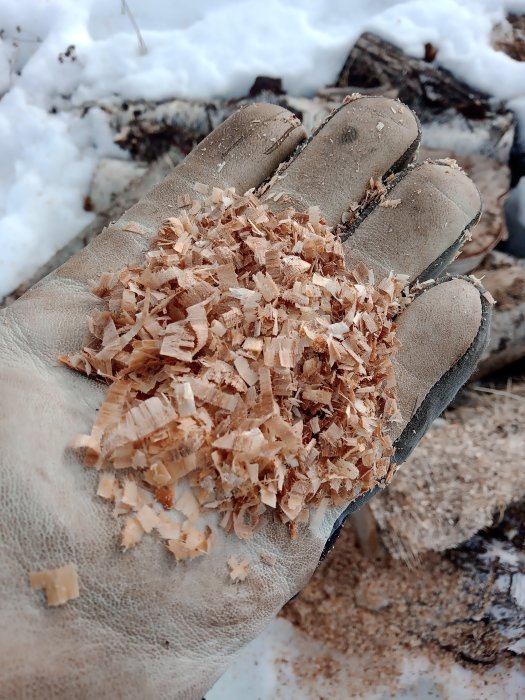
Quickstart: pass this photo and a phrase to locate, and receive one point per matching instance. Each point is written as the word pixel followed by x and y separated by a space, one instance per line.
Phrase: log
pixel 152 131
pixel 504 277
pixel 159 136
pixel 454 116
pixel 444 578
pixel 421 84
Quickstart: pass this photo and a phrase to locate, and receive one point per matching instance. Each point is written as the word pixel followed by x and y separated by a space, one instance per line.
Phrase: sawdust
pixel 467 468
pixel 379 611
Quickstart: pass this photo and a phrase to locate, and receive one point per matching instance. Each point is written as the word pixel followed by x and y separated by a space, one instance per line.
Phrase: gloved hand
pixel 145 626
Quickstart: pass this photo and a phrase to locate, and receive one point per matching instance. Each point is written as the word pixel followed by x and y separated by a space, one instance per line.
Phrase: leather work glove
pixel 145 626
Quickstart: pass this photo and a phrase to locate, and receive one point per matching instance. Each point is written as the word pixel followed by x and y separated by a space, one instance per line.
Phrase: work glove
pixel 144 625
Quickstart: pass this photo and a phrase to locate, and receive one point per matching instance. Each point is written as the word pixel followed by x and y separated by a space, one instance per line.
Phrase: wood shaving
pixel 478 283
pixel 375 192
pixel 60 585
pixel 190 542
pixel 268 559
pixel 131 533
pixel 488 296
pixel 390 203
pixel 250 374
pixel 239 570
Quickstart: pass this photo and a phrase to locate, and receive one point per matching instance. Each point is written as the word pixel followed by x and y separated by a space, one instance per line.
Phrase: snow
pixel 195 49
pixel 266 669
pixel 504 553
pixel 518 647
pixel 517 589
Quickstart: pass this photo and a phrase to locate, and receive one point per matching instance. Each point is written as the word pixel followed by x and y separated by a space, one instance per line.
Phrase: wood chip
pixel 238 570
pixel 188 505
pixel 184 399
pixel 148 518
pixel 106 486
pixel 390 203
pixel 247 373
pixel 60 585
pixel 191 543
pixel 131 533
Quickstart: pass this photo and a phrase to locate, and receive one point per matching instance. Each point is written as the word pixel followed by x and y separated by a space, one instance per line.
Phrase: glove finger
pixel 240 153
pixel 443 334
pixel 419 226
pixel 368 137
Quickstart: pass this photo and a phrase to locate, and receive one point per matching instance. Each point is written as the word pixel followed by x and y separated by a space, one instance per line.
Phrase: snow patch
pixel 194 50
pixel 271 667
pixel 517 589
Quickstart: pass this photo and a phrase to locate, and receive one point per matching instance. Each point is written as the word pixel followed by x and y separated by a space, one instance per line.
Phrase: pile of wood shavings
pixel 250 374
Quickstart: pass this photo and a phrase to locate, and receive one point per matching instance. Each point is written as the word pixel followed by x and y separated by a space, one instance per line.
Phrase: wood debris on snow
pixel 249 373
pixel 390 203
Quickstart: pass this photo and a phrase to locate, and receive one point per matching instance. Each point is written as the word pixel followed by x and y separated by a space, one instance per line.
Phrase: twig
pixel 143 49
pixel 20 40
pixel 499 392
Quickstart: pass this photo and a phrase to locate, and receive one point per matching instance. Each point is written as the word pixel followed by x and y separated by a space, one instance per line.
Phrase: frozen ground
pixel 196 49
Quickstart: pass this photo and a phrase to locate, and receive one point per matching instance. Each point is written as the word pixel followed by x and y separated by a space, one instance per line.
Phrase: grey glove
pixel 145 626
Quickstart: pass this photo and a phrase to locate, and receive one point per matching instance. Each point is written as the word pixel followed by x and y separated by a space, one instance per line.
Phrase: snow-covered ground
pixel 194 49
